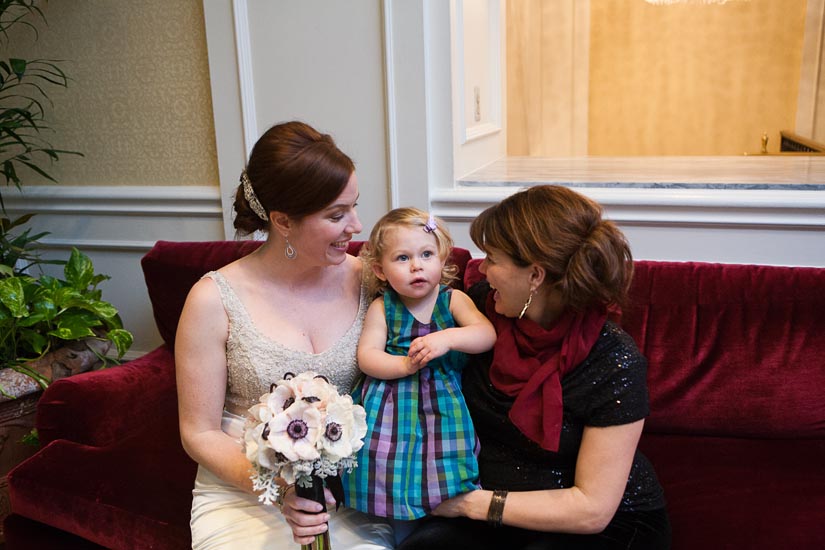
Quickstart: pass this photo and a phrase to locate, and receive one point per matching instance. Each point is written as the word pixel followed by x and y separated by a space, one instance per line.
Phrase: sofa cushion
pixel 109 495
pixel 733 350
pixel 21 533
pixel 730 493
pixel 145 385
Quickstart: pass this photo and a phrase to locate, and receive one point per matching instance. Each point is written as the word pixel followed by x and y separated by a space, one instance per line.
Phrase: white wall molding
pixel 490 84
pixel 718 207
pixel 243 49
pixel 115 226
pixel 228 109
pixel 390 91
pixel 175 201
pixel 715 225
pixel 477 64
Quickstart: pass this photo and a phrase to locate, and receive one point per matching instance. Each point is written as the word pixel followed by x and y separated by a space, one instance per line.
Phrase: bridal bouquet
pixel 304 431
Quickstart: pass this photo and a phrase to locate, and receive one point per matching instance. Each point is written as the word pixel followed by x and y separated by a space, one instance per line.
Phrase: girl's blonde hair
pixel 374 249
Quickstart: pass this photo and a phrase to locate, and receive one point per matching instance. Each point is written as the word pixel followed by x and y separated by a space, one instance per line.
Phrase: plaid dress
pixel 420 446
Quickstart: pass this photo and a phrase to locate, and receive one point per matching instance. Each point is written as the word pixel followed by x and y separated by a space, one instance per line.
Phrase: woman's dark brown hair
pixel 587 258
pixel 293 169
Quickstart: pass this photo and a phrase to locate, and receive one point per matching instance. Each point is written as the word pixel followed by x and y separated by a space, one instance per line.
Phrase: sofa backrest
pixel 733 350
pixel 171 268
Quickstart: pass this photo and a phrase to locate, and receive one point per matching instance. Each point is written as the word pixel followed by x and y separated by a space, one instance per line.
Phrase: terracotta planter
pixel 73 358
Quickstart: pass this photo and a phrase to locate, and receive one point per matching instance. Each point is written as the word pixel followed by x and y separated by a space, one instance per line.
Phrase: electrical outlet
pixel 477 103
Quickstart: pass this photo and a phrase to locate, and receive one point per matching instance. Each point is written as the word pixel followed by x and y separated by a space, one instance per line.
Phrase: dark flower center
pixel 334 431
pixel 297 429
pixel 288 402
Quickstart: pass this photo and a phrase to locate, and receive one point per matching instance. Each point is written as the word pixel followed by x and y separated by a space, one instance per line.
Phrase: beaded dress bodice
pixel 255 361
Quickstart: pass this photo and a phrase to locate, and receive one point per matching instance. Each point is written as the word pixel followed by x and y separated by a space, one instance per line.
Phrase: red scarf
pixel 529 363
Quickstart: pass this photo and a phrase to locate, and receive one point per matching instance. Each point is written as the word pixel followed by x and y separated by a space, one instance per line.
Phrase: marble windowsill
pixel 758 172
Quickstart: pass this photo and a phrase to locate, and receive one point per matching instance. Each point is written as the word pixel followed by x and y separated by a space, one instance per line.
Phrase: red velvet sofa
pixel 736 431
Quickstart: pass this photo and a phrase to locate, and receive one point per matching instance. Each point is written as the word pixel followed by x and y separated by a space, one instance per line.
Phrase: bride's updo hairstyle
pixel 293 169
pixel 587 258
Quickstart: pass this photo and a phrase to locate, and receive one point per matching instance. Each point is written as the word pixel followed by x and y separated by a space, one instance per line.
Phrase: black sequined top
pixel 609 388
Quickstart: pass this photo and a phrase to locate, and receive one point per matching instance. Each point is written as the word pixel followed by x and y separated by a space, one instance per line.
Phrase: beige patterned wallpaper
pixel 139 104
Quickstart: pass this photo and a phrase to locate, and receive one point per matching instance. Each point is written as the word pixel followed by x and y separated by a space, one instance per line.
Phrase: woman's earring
pixel 526 304
pixel 289 251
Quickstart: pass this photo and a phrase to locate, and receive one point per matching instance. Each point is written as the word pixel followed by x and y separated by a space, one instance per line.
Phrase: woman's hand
pixel 303 516
pixel 472 505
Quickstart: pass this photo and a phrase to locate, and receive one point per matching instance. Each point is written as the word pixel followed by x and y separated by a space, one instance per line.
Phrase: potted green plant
pixel 51 327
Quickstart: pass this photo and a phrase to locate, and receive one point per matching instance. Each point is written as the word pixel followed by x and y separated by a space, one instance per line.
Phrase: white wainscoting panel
pixel 115 227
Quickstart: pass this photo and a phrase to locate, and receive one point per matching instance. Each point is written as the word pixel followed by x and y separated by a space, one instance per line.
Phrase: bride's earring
pixel 526 304
pixel 289 251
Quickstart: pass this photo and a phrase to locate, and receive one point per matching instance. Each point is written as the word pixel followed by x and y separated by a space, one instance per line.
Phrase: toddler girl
pixel 420 443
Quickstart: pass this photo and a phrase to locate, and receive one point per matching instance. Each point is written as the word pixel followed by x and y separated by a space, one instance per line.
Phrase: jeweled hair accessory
pixel 430 226
pixel 251 198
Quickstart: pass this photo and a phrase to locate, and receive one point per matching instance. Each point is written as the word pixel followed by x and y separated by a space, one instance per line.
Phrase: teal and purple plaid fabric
pixel 420 446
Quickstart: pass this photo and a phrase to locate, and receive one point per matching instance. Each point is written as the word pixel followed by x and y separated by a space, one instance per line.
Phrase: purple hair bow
pixel 430 226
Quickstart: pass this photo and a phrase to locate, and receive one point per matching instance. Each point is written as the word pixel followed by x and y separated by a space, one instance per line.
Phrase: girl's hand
pixel 304 518
pixel 426 348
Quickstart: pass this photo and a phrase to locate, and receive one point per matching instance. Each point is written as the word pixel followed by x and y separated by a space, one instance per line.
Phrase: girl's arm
pixel 474 333
pixel 602 469
pixel 372 357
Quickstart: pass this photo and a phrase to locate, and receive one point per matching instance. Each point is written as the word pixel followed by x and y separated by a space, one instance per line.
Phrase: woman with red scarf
pixel 559 403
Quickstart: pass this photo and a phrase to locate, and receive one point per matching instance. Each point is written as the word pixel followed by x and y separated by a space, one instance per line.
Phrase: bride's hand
pixel 303 516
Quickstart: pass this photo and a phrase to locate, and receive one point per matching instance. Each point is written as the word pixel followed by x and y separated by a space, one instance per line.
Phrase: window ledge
pixel 760 190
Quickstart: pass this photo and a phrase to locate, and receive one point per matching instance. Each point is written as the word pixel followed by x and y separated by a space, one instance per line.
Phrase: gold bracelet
pixel 279 500
pixel 495 513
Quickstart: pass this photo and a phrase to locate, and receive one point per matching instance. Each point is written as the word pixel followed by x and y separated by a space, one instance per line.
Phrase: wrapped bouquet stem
pixel 307 433
pixel 314 490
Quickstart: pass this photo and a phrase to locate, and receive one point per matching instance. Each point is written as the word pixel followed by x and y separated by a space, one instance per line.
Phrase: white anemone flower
pixel 344 429
pixel 313 388
pixel 261 411
pixel 294 432
pixel 257 450
pixel 281 397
